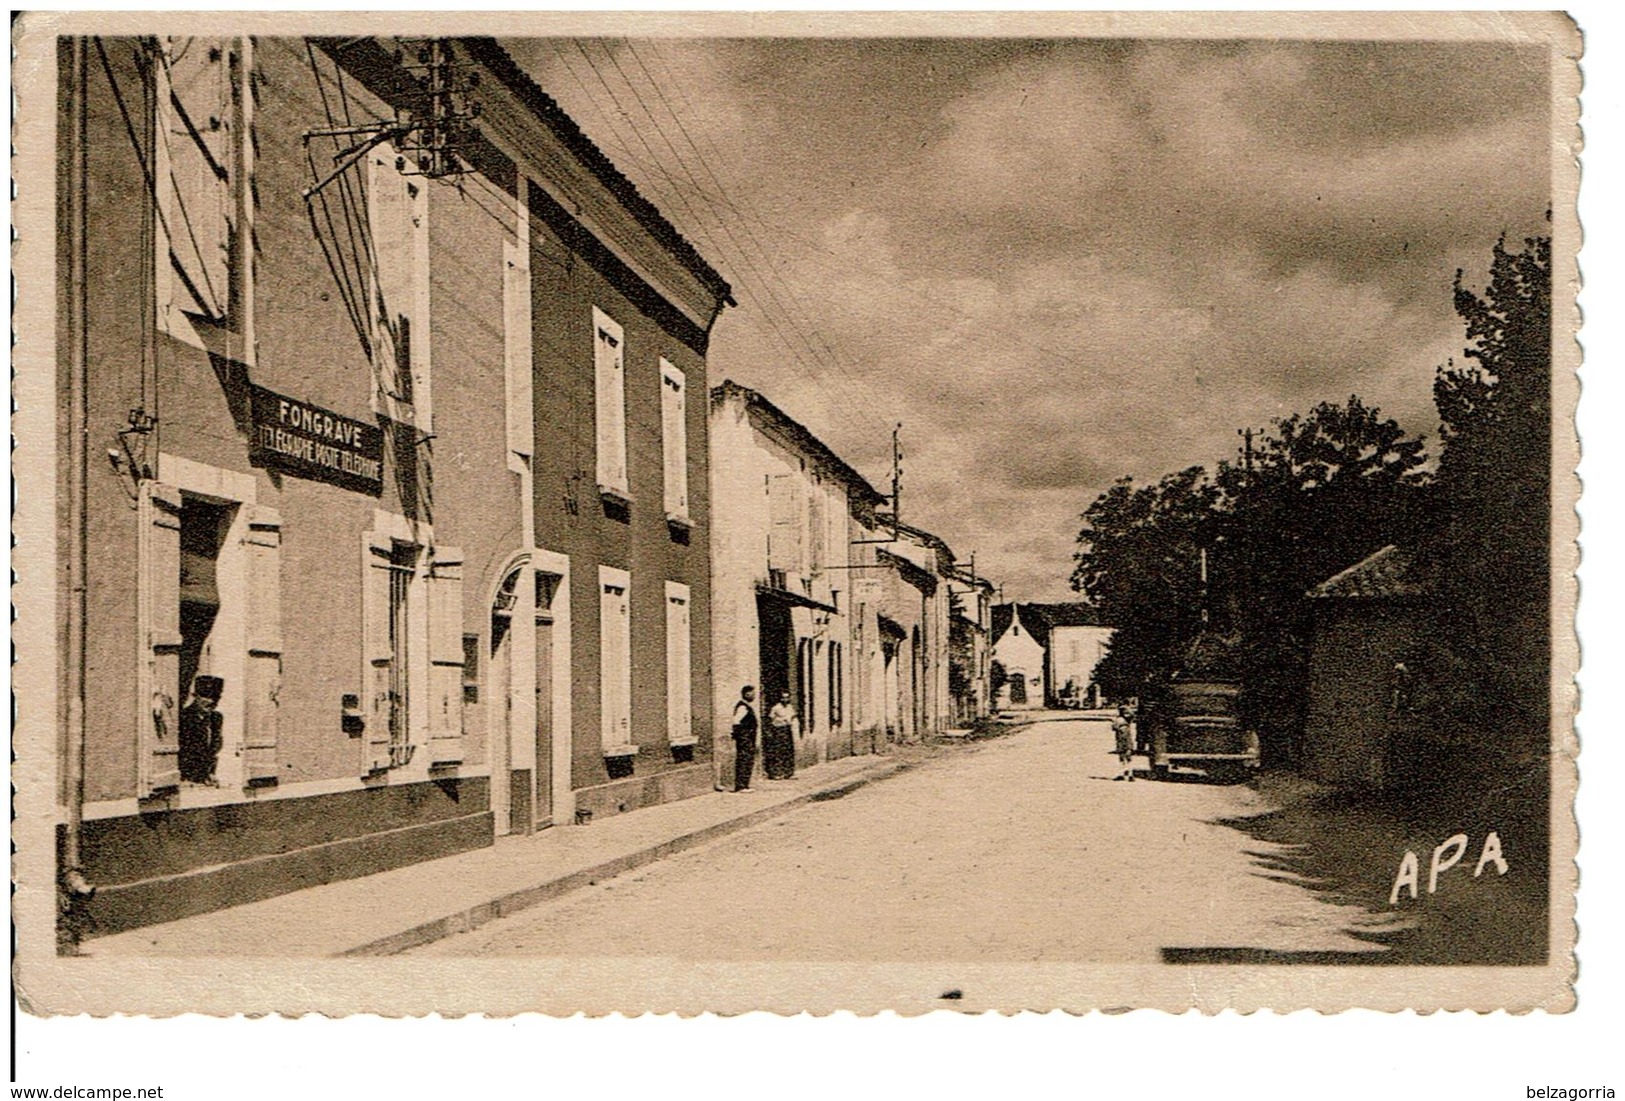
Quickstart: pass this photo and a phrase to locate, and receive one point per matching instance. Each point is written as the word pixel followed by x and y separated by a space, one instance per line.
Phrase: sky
pixel 1060 262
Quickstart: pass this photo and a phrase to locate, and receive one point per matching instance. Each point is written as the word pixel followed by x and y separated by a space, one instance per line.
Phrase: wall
pixel 1349 723
pixel 572 519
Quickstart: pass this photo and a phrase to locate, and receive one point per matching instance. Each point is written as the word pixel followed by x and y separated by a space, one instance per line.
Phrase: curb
pixel 514 901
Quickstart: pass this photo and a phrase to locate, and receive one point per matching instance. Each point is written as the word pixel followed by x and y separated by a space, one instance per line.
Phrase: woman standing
pixel 779 740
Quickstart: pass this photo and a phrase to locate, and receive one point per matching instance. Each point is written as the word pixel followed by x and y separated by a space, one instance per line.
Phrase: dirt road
pixel 1018 849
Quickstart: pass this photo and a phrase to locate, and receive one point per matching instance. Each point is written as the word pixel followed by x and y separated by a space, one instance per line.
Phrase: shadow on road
pixel 1347 849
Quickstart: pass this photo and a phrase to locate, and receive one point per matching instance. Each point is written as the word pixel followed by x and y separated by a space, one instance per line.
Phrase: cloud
pixel 1059 262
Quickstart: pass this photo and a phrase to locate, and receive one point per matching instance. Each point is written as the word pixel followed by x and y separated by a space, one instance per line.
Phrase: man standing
pixel 200 738
pixel 744 732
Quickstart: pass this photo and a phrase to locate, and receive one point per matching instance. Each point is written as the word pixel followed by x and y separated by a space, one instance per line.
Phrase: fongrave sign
pixel 307 441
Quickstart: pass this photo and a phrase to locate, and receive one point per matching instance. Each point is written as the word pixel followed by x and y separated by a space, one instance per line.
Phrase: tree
pixel 1323 491
pixel 1491 545
pixel 1139 549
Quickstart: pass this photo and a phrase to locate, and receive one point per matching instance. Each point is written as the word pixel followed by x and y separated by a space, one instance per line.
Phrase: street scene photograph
pixel 644 503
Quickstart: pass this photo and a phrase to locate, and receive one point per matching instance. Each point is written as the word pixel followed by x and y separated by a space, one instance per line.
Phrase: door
pixel 547 586
pixel 776 651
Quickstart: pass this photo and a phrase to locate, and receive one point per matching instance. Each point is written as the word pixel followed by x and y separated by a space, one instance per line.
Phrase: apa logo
pixel 1445 857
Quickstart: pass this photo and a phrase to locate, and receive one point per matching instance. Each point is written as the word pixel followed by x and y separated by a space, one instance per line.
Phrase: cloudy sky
pixel 1058 262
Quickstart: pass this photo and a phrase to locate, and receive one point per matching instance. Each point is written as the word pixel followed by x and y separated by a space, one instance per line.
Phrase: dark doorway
pixel 777 651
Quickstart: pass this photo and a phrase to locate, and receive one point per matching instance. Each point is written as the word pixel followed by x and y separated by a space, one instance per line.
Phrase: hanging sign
pixel 308 441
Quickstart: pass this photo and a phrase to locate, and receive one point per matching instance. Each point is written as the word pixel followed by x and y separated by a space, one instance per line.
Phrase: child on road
pixel 1123 735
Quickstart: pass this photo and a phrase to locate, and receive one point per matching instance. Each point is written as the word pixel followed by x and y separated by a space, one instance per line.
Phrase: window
pixel 816 528
pixel 609 372
pixel 397 218
pixel 210 620
pixel 615 658
pixel 201 166
pixel 516 331
pixel 412 638
pixel 679 667
pixel 837 676
pixel 674 438
pixel 787 514
pixel 806 672
pixel 471 668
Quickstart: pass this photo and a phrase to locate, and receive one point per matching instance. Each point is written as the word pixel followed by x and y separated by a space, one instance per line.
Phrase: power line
pixel 765 279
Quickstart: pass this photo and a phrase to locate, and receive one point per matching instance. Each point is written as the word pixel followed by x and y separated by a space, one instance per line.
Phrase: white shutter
pixel 378 653
pixel 159 550
pixel 679 666
pixel 389 221
pixel 788 516
pixel 263 550
pixel 609 353
pixel 195 114
pixel 615 657
pixel 674 438
pixel 517 346
pixel 445 598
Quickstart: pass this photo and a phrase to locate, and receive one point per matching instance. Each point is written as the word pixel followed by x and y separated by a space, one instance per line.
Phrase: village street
pixel 1020 848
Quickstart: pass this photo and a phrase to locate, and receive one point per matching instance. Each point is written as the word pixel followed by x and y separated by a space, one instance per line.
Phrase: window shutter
pixel 609 372
pixel 389 217
pixel 445 597
pixel 379 654
pixel 263 548
pixel 679 668
pixel 674 437
pixel 197 113
pixel 158 767
pixel 615 663
pixel 816 530
pixel 788 518
pixel 517 345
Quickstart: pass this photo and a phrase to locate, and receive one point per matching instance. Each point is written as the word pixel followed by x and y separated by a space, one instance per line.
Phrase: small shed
pixel 1363 722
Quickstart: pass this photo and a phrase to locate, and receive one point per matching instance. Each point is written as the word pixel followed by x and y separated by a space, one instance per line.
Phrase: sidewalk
pixel 392 911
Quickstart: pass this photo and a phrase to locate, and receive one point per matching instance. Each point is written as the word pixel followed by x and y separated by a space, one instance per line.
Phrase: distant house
pixel 1018 660
pixel 1046 654
pixel 1364 716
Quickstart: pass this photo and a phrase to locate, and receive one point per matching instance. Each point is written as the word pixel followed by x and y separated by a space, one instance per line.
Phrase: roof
pixel 490 53
pixel 1391 573
pixel 1040 619
pixel 799 433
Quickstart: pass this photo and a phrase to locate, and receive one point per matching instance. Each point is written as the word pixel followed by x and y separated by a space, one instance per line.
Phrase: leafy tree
pixel 1138 556
pixel 1323 491
pixel 1491 547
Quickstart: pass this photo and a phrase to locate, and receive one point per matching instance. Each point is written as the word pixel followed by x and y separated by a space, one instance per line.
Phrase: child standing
pixel 1123 735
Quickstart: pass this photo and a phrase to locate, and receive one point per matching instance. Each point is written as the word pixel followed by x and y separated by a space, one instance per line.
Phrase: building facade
pixel 1018 659
pixel 786 617
pixel 392 508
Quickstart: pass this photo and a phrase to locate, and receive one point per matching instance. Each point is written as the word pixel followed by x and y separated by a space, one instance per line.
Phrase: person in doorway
pixel 744 731
pixel 779 740
pixel 1123 735
pixel 200 739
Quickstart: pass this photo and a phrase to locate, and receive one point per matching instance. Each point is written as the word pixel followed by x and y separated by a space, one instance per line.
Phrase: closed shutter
pixel 196 113
pixel 517 345
pixel 674 437
pixel 393 251
pixel 615 663
pixel 679 666
pixel 445 597
pixel 609 373
pixel 816 529
pixel 378 654
pixel 788 518
pixel 158 764
pixel 263 550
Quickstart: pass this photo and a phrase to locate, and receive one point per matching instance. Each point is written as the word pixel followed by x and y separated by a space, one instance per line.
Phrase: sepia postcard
pixel 708 513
